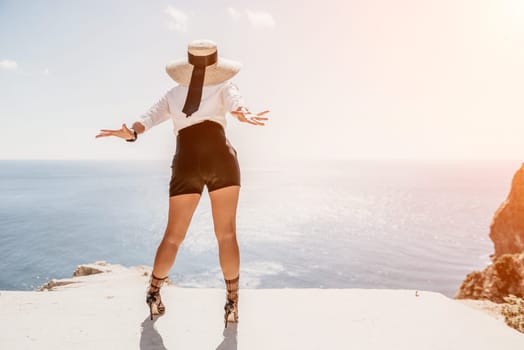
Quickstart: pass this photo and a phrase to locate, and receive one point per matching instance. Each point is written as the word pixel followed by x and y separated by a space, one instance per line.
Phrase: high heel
pixel 230 312
pixel 153 299
pixel 231 306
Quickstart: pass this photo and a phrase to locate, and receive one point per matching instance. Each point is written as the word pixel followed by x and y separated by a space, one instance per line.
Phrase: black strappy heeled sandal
pixel 153 296
pixel 231 306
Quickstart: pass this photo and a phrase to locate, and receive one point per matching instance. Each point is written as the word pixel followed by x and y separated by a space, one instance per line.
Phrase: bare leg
pixel 181 209
pixel 224 206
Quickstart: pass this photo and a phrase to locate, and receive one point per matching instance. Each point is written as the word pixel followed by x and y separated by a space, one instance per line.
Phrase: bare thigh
pixel 224 203
pixel 181 210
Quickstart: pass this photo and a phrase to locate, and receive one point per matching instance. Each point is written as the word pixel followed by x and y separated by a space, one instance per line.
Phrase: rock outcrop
pixel 81 270
pixel 52 284
pixel 89 269
pixel 503 280
pixel 504 277
pixel 95 273
pixel 507 227
pixel 513 312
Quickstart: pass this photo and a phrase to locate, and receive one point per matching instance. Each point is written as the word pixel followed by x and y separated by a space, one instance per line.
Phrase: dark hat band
pixel 202 61
pixel 194 93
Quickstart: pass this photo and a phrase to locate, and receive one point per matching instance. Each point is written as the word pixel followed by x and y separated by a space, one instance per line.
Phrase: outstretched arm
pixel 158 113
pixel 235 104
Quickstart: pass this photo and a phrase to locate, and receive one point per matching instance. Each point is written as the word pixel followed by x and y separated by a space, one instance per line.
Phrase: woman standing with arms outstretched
pixel 203 157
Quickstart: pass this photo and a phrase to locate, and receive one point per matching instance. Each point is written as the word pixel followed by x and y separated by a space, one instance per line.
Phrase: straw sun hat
pixel 203 53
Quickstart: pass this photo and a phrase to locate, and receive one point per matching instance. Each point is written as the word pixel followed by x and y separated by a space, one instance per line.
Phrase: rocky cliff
pixel 507 227
pixel 503 280
pixel 505 275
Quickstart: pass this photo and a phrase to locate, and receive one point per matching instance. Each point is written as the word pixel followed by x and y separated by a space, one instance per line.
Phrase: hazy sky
pixel 343 79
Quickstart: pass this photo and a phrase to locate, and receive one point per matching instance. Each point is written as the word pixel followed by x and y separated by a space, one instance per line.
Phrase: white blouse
pixel 216 101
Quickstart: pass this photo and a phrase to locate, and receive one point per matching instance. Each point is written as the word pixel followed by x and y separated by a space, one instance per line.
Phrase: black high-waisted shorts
pixel 204 156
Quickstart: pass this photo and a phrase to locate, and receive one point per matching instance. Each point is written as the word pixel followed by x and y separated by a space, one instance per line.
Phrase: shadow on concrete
pixel 150 339
pixel 230 338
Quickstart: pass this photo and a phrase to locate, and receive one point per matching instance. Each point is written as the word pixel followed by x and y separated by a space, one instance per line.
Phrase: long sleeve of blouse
pixel 232 97
pixel 158 113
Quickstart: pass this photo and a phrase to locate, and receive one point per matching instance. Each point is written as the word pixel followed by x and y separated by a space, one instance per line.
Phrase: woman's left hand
pixel 248 117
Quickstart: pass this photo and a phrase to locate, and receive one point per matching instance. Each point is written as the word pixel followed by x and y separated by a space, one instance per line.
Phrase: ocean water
pixel 300 224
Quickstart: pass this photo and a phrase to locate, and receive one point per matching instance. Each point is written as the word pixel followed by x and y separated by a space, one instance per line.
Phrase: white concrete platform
pixel 108 311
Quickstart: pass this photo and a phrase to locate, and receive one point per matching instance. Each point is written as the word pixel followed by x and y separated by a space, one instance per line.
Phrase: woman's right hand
pixel 124 133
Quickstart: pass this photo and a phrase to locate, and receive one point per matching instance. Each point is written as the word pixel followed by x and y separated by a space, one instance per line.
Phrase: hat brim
pixel 180 70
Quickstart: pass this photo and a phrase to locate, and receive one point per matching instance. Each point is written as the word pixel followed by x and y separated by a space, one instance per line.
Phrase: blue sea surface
pixel 300 224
